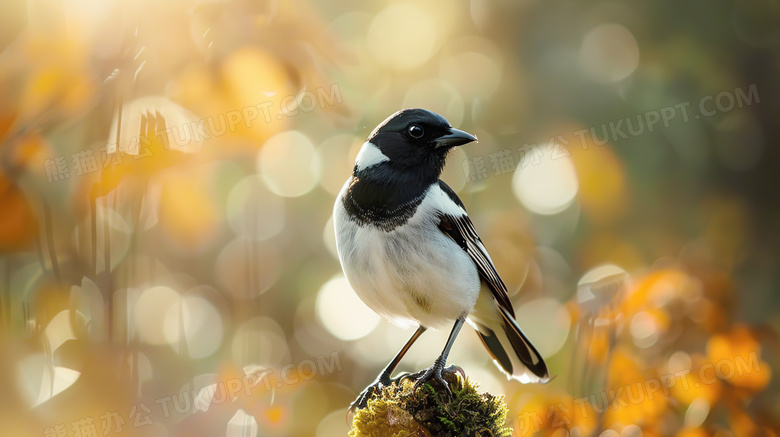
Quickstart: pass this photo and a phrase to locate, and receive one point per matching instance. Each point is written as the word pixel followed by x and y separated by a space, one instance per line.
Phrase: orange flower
pixel 697 382
pixel 551 414
pixel 658 288
pixel 736 358
pixel 634 396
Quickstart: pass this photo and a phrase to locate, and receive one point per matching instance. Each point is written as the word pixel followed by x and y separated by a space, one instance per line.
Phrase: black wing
pixel 462 231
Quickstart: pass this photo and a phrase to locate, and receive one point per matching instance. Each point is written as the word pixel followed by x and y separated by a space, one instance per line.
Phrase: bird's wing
pixel 462 231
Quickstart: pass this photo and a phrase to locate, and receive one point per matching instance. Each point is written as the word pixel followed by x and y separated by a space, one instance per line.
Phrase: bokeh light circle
pixel 337 160
pixel 546 187
pixel 546 322
pixel 335 300
pixel 438 96
pixel 599 285
pixel 333 425
pixel 697 413
pixel 253 211
pixel 260 341
pixel 247 268
pixel 402 36
pixel 474 74
pixel 149 313
pixel 196 321
pixel 289 164
pixel 609 53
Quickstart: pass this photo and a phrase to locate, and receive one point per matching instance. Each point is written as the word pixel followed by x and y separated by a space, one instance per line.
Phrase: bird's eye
pixel 416 131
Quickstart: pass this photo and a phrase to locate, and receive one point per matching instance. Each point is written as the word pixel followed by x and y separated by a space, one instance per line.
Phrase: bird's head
pixel 411 139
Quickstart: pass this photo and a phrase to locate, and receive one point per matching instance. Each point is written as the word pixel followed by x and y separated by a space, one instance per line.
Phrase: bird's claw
pixel 436 373
pixel 410 376
pixel 362 399
pixel 369 392
pixel 453 368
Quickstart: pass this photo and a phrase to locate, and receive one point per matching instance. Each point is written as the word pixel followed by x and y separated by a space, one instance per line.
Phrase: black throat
pixel 386 197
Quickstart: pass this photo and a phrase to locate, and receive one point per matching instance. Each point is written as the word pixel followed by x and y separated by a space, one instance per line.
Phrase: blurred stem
pixel 6 296
pixel 136 209
pixel 580 373
pixel 109 283
pixel 93 237
pixel 119 102
pixel 250 220
pixel 48 226
pixel 25 317
pixel 39 250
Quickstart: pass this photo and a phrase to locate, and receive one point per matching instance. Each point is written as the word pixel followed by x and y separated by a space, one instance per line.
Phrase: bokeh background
pixel 168 169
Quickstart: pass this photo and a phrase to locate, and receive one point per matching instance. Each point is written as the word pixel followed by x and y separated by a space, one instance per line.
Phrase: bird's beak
pixel 456 137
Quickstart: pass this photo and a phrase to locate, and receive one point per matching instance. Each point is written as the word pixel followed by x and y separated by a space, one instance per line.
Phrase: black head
pixel 401 160
pixel 417 140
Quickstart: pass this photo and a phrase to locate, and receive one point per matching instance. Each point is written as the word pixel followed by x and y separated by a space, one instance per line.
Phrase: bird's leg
pixel 435 371
pixel 383 379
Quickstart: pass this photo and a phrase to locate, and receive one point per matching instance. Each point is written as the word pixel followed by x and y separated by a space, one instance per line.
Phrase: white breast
pixel 414 274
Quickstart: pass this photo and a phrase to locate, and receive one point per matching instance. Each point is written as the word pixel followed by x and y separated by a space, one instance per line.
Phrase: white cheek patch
pixel 369 155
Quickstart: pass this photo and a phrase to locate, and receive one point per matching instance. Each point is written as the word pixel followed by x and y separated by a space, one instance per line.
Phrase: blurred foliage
pixel 168 170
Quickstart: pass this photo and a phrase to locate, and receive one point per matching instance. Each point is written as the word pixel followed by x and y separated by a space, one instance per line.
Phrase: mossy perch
pixel 400 412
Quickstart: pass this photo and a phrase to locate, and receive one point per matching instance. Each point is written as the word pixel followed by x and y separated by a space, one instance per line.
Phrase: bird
pixel 411 253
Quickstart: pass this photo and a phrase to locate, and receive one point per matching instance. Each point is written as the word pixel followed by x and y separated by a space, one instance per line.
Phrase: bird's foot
pixel 380 383
pixel 436 373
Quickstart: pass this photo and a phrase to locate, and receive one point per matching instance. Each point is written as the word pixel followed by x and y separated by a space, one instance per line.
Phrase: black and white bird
pixel 411 253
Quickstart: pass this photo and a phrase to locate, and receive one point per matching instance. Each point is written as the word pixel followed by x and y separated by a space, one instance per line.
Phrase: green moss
pixel 397 411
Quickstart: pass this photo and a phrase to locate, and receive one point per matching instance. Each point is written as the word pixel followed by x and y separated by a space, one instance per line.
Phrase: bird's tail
pixel 511 350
